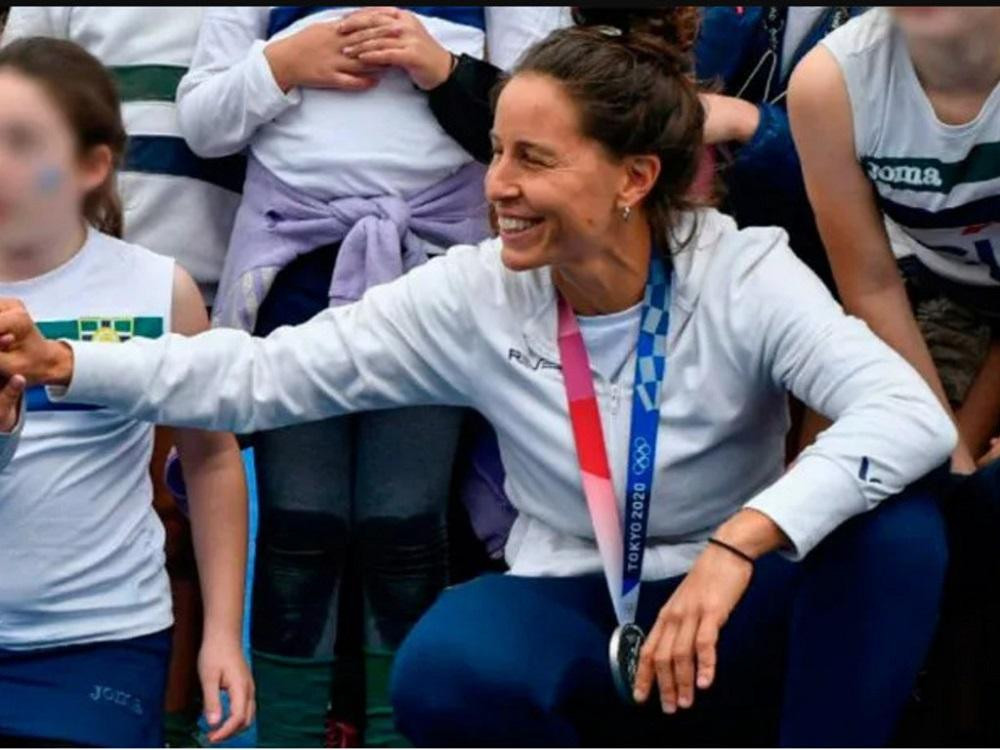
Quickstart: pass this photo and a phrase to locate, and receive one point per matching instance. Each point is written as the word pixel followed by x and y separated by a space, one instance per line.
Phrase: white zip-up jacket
pixel 749 322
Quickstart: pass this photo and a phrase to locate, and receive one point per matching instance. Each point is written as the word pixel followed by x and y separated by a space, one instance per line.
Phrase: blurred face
pixel 556 194
pixel 43 178
pixel 943 23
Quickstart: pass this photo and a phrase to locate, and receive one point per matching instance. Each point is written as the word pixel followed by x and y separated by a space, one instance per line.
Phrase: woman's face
pixel 944 23
pixel 554 191
pixel 43 180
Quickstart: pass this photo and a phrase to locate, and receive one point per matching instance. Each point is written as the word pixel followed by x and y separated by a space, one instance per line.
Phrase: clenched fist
pixel 26 353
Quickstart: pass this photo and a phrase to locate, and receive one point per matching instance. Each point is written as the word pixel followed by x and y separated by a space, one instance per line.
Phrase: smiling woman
pixel 682 504
pixel 549 186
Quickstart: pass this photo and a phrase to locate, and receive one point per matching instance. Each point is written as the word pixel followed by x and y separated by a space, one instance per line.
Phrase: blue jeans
pixel 821 653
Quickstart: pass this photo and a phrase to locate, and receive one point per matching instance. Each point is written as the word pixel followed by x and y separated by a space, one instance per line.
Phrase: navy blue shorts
pixel 104 694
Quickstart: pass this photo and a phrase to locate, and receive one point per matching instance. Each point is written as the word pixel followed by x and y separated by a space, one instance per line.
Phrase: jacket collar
pixel 689 263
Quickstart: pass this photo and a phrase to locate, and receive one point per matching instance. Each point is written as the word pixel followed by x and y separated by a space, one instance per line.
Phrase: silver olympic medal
pixel 626 642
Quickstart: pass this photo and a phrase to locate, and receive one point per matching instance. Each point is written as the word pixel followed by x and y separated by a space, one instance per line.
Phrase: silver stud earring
pixel 626 212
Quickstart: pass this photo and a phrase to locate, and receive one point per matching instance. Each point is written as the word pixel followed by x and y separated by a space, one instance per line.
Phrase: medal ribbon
pixel 621 546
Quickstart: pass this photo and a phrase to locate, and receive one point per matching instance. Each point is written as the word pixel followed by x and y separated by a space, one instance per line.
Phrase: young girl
pixel 896 116
pixel 175 204
pixel 85 610
pixel 350 183
pixel 897 119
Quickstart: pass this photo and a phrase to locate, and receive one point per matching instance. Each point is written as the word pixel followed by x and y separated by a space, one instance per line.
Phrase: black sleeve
pixel 462 105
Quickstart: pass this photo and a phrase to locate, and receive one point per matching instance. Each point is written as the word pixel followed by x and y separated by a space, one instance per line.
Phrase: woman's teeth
pixel 516 225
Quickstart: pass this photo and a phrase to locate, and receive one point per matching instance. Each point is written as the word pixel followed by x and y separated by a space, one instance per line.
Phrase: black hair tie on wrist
pixel 735 550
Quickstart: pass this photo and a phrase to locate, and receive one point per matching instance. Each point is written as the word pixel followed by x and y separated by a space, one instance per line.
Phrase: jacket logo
pixel 904 175
pixel 540 363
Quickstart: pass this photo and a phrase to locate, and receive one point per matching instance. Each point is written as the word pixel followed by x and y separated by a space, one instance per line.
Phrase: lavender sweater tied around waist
pixel 381 238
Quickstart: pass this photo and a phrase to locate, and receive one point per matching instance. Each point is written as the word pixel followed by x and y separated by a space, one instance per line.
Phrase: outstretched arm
pixel 404 343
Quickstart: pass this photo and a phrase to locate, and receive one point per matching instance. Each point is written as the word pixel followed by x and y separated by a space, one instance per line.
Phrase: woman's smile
pixel 517 232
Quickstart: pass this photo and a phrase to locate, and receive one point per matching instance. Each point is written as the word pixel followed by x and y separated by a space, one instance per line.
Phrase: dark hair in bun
pixel 629 71
pixel 667 32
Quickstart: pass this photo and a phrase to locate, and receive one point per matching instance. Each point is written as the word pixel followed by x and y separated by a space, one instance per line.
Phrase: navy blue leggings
pixel 821 653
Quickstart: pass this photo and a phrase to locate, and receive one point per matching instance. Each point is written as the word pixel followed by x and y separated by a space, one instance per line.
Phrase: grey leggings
pixel 366 492
pixel 358 501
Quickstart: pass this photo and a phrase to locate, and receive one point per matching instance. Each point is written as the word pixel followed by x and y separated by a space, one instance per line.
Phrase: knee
pixel 902 544
pixel 430 687
pixel 405 561
pixel 912 533
pixel 448 668
pixel 298 533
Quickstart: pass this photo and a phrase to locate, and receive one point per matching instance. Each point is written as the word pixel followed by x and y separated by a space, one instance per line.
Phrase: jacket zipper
pixel 612 436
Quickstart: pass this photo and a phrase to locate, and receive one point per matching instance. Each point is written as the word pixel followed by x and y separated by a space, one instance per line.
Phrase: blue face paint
pixel 49 179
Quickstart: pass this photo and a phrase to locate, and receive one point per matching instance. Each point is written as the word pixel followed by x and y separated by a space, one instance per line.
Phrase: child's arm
pixel 229 90
pixel 979 415
pixel 213 473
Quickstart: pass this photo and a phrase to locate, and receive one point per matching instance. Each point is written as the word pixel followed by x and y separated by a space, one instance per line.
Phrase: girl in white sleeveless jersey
pixel 85 609
pixel 896 116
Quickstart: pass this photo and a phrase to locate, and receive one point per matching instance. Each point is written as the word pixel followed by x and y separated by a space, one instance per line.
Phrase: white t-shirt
pixel 611 339
pixel 81 548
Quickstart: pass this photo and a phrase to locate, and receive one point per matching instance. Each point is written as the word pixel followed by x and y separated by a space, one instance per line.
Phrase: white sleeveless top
pixel 81 549
pixel 939 184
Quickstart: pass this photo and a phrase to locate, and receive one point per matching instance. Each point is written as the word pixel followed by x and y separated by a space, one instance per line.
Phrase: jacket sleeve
pixel 9 440
pixel 462 105
pixel 769 160
pixel 408 342
pixel 229 90
pixel 888 427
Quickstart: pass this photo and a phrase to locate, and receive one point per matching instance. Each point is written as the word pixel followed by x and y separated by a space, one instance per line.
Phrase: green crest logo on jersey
pixel 107 330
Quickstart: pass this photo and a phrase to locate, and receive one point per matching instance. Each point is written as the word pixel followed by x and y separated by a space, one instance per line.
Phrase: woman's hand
pixel 221 666
pixel 728 119
pixel 314 58
pixel 682 642
pixel 25 352
pixel 10 402
pixel 681 645
pixel 390 36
